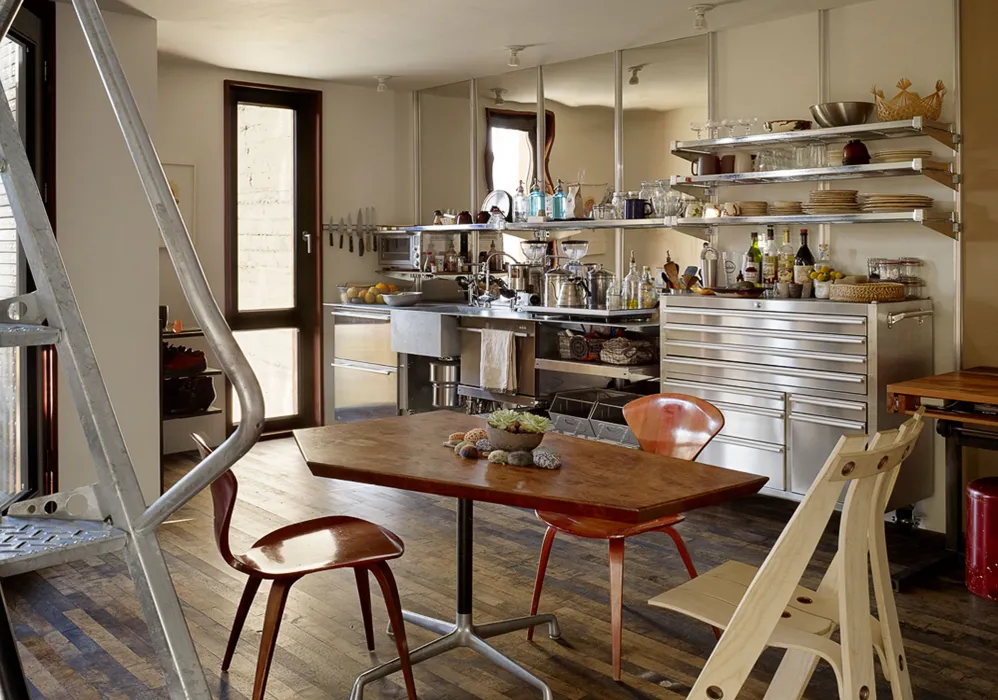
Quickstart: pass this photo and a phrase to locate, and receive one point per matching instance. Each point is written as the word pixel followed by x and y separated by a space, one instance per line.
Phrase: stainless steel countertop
pixel 498 310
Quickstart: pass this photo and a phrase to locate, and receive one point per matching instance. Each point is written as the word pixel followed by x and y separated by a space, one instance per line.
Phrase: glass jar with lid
pixel 889 270
pixel 910 267
pixel 647 191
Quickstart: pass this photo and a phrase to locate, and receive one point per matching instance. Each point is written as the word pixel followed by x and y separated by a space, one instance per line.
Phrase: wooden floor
pixel 82 635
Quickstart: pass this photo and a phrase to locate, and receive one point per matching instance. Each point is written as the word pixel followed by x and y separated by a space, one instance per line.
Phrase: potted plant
pixel 516 432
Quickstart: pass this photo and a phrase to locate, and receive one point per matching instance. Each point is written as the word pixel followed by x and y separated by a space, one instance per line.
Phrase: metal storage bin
pixel 593 413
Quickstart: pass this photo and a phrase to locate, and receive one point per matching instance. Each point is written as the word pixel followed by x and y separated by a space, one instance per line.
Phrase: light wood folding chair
pixel 768 606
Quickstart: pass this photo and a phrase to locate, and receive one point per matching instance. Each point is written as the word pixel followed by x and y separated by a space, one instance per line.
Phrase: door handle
pixel 307 237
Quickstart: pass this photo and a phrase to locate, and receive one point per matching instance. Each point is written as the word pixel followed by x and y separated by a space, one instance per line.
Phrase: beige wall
pixel 108 240
pixel 366 161
pixel 876 42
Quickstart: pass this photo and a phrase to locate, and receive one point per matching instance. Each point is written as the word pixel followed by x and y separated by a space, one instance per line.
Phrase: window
pixel 510 143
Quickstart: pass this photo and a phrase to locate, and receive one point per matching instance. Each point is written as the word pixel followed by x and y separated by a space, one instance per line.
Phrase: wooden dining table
pixel 596 479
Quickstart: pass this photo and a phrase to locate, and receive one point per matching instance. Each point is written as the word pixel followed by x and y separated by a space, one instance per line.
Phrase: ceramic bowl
pixel 513 442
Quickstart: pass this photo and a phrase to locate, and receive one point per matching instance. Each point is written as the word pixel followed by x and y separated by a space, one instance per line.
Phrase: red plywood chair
pixel 666 424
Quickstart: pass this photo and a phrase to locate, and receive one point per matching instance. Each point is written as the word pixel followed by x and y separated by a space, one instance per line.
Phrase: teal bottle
pixel 559 203
pixel 536 199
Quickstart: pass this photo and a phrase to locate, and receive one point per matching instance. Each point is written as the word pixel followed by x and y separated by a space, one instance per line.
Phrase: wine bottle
pixel 769 260
pixel 803 261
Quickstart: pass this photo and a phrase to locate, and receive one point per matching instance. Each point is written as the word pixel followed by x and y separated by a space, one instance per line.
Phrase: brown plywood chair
pixel 674 425
pixel 291 552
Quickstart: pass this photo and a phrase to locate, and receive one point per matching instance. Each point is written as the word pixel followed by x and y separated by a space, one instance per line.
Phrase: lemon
pixel 837 275
pixel 825 268
pixel 813 275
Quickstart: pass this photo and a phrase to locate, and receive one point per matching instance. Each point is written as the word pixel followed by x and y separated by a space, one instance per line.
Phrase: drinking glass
pixel 729 125
pixel 730 270
pixel 696 127
pixel 711 126
pixel 802 157
pixel 818 155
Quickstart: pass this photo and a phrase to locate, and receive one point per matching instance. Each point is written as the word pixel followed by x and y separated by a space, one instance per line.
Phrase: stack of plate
pixel 785 208
pixel 832 202
pixel 751 208
pixel 895 202
pixel 900 156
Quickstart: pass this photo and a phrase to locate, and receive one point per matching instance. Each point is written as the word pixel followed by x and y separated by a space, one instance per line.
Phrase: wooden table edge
pixel 553 504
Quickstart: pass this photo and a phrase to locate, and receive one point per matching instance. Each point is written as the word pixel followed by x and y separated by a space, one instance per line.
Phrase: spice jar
pixel 912 287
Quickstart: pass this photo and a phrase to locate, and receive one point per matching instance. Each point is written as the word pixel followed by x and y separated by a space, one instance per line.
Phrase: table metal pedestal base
pixel 464 633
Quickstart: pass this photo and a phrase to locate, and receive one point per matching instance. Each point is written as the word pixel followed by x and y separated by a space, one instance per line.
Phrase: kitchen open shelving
pixel 941 222
pixel 700 185
pixel 918 126
pixel 634 373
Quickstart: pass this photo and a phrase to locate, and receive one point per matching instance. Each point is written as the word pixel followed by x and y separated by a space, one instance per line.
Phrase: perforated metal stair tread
pixel 29 544
pixel 22 335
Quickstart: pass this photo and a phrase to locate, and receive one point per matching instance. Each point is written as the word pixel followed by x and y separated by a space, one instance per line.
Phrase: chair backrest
pixel 223 499
pixel 869 469
pixel 674 425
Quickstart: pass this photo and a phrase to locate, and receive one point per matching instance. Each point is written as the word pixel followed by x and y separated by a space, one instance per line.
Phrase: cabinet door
pixel 363 392
pixel 750 456
pixel 361 337
pixel 812 439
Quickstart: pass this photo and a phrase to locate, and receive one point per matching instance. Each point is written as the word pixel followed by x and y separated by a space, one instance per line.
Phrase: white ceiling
pixel 427 42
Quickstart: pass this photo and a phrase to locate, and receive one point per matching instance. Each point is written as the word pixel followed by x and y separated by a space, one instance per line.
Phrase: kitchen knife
pixel 372 217
pixel 350 230
pixel 332 232
pixel 341 229
pixel 360 231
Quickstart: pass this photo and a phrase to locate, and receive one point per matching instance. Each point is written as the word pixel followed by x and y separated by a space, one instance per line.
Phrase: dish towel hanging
pixel 498 367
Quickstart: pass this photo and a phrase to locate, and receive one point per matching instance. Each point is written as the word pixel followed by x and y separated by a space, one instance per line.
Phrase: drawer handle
pixel 831 403
pixel 810 374
pixel 752 445
pixel 807 318
pixel 479 331
pixel 755 410
pixel 370 317
pixel 803 354
pixel 831 422
pixel 756 333
pixel 373 370
pixel 723 389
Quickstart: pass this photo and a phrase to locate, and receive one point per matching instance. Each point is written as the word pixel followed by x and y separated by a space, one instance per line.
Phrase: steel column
pixel 618 155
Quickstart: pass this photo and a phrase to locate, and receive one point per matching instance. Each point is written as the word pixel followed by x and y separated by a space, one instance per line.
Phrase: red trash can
pixel 982 537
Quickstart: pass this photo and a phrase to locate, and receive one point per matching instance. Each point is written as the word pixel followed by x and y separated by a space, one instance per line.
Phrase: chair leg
pixel 616 547
pixel 364 589
pixel 684 553
pixel 245 603
pixel 271 625
pixel 383 573
pixel 542 567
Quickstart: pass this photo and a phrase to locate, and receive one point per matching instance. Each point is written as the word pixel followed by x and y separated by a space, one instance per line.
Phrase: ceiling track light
pixel 700 16
pixel 514 56
pixel 383 82
pixel 499 99
pixel 634 74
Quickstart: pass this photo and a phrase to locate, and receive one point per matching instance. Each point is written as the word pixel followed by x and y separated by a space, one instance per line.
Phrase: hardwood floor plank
pixel 82 635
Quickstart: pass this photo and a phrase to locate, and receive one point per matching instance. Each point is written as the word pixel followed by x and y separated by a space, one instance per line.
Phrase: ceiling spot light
pixel 700 16
pixel 514 56
pixel 383 82
pixel 634 74
pixel 499 92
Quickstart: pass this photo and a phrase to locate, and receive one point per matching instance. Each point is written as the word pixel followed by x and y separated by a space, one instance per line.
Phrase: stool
pixel 982 537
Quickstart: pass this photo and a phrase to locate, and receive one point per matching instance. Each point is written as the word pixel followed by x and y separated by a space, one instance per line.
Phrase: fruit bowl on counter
pixel 356 293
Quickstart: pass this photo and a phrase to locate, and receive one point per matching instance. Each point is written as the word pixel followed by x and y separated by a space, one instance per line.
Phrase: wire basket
pixel 908 105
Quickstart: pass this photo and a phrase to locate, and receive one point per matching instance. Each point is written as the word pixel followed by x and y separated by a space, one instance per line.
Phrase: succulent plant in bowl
pixel 516 432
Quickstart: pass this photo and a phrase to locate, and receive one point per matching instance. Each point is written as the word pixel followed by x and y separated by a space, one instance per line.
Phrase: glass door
pixel 22 76
pixel 273 145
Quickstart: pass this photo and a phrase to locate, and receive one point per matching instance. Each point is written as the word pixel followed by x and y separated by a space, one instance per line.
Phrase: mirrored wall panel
pixel 664 92
pixel 507 131
pixel 444 149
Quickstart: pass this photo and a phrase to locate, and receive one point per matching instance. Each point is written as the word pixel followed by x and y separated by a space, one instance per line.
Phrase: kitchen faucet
pixel 486 299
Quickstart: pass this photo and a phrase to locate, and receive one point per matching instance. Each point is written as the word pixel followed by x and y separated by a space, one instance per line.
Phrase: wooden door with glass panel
pixel 272 150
